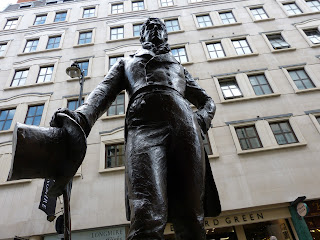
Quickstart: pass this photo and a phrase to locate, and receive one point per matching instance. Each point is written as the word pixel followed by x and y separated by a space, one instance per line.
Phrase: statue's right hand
pixel 56 120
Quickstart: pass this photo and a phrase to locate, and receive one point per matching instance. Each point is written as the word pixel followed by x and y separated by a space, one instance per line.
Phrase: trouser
pixel 165 167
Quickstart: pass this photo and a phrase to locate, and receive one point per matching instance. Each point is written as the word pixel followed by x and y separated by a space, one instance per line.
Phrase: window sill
pixel 115 169
pixel 121 39
pixel 89 18
pixel 6 131
pixel 28 53
pixel 16 182
pixel 307 90
pixel 29 85
pixel 83 45
pixel 173 32
pixel 283 50
pixel 264 20
pixel 212 156
pixel 250 98
pixel 186 63
pixel 165 7
pixel 314 45
pixel 49 50
pixel 302 14
pixel 300 144
pixel 113 117
pixel 231 57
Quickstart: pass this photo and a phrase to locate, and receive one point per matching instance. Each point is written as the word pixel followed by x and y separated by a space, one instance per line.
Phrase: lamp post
pixel 75 71
pixel 72 71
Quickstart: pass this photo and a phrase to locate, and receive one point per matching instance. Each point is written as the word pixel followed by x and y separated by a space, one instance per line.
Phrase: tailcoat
pixel 140 74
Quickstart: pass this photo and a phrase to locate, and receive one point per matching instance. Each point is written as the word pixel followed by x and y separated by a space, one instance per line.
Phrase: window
pixel 41 19
pixel 283 133
pixel 260 84
pixel 45 74
pixel 241 46
pixel 206 144
pixel 301 79
pixel 19 78
pixel 313 35
pixel 89 12
pixel 116 33
pixel 113 60
pixel 117 107
pixel 34 115
pixel 85 37
pixel 6 117
pixel 136 30
pixel 31 45
pixel 277 41
pixel 227 17
pixel 180 54
pixel 172 25
pixel 137 5
pixel 204 21
pixel 11 24
pixel 248 137
pixel 166 3
pixel 73 104
pixel 259 13
pixel 314 5
pixel 117 8
pixel 215 50
pixel 114 156
pixel 84 66
pixel 53 42
pixel 292 8
pixel 230 88
pixel 3 47
pixel 60 16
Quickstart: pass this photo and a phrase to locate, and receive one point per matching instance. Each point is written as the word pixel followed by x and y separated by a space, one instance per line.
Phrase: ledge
pixel 28 53
pixel 251 98
pixel 303 14
pixel 307 90
pixel 113 117
pixel 16 182
pixel 231 57
pixel 115 169
pixel 29 85
pixel 77 79
pixel 314 45
pixel 212 156
pixel 6 131
pixel 264 20
pixel 283 50
pixel 83 45
pixel 300 144
pixel 179 31
pixel 186 63
pixel 121 39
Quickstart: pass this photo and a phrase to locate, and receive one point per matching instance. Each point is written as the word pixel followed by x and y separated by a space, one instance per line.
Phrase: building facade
pixel 258 59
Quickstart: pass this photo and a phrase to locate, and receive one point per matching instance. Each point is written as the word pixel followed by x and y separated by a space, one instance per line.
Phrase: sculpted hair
pixel 145 25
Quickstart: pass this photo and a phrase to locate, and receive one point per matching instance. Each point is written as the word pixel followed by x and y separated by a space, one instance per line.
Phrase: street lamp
pixel 75 71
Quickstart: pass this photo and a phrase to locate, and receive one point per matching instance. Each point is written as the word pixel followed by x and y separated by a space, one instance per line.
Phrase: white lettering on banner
pixel 100 234
pixel 241 219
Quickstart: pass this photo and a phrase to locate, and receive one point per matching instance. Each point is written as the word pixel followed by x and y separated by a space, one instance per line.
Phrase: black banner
pixel 47 204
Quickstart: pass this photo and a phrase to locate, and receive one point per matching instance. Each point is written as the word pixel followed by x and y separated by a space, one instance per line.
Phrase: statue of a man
pixel 168 177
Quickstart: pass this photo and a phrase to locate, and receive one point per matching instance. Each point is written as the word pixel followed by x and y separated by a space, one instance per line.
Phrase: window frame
pixel 306 37
pixel 90 60
pixel 173 19
pixel 247 137
pixel 7 43
pixel 52 73
pixel 54 36
pixel 113 56
pixel 59 12
pixel 161 3
pixel 34 116
pixel 229 79
pixel 77 37
pixel 12 19
pixel 40 15
pixel 309 72
pixel 133 25
pixel 136 1
pixel 311 8
pixel 279 37
pixel 29 40
pixel 283 132
pixel 109 138
pixel 117 4
pixel 286 11
pixel 89 8
pixel 207 51
pixel 203 15
pixel 283 35
pixel 5 120
pixel 116 107
pixel 186 49
pixel 227 11
pixel 116 27
pixel 248 45
pixel 14 75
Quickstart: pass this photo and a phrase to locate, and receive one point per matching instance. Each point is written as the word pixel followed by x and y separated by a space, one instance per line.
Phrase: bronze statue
pixel 168 175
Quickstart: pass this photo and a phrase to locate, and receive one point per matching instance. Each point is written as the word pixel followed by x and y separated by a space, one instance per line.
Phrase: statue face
pixel 155 33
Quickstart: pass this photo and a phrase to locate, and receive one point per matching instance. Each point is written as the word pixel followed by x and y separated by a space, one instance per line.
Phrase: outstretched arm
pixel 198 97
pixel 98 101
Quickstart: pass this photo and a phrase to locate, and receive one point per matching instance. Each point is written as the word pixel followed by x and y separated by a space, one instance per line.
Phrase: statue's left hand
pixel 56 120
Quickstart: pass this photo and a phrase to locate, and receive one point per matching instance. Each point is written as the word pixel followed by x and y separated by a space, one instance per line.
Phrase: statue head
pixel 153 30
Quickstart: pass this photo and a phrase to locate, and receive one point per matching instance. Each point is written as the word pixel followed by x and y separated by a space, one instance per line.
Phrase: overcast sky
pixel 5 3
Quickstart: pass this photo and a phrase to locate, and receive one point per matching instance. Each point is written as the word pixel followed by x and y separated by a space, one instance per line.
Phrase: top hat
pixel 54 153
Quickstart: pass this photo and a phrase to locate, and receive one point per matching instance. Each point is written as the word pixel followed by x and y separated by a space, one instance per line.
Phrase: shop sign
pixel 117 233
pixel 302 209
pixel 241 219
